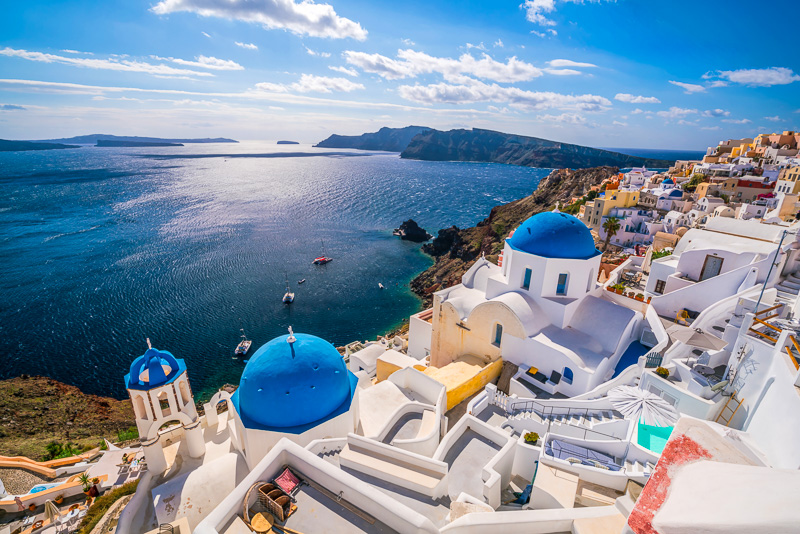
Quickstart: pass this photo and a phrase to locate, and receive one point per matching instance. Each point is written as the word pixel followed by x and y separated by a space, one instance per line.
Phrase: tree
pixel 611 226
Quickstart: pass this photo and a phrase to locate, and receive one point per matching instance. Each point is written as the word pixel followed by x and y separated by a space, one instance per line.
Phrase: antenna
pixel 149 346
pixel 291 338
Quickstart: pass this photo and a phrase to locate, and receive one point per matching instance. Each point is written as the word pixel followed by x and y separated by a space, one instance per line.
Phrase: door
pixel 711 267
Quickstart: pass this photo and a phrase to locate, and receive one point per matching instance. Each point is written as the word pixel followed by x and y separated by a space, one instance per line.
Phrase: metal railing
pixel 653 359
pixel 548 414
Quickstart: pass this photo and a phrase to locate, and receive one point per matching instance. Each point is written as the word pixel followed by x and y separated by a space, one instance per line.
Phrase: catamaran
pixel 322 260
pixel 288 297
pixel 243 346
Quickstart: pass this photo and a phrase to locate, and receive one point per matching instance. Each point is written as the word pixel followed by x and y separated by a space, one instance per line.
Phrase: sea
pixel 104 248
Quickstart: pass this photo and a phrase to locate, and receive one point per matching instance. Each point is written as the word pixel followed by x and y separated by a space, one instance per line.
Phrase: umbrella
pixel 646 407
pixel 603 277
pixel 50 511
pixel 648 258
pixel 697 338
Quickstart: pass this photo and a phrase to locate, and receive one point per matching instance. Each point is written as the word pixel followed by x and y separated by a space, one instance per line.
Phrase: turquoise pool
pixel 653 438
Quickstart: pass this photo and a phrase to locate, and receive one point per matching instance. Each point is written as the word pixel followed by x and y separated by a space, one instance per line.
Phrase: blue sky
pixel 631 73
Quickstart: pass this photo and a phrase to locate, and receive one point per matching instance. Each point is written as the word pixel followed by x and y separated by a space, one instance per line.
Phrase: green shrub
pixel 56 450
pixel 663 372
pixel 531 437
pixel 128 434
pixel 661 254
pixel 102 504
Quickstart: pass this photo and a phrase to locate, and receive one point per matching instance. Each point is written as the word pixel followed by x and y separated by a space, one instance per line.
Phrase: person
pixel 20 506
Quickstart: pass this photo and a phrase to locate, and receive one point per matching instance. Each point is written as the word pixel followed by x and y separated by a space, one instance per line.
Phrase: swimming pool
pixel 42 487
pixel 653 438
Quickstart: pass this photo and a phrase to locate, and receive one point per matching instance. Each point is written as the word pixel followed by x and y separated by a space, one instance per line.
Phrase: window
pixel 498 334
pixel 591 282
pixel 567 375
pixel 660 286
pixel 526 280
pixel 561 288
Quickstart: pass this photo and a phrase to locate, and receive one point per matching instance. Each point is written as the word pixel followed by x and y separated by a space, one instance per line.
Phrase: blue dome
pixel 554 235
pixel 676 193
pixel 668 181
pixel 293 384
pixel 147 371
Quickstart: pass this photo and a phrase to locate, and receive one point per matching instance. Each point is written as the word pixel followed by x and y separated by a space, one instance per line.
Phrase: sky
pixel 631 73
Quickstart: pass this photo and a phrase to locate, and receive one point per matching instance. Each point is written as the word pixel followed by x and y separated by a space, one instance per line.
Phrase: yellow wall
pixel 385 369
pixel 465 377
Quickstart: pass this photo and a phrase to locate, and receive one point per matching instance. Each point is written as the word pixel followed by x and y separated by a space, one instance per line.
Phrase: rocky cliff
pixel 454 249
pixel 387 139
pixel 497 147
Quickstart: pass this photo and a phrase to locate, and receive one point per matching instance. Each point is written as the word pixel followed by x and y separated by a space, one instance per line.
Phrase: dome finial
pixel 291 338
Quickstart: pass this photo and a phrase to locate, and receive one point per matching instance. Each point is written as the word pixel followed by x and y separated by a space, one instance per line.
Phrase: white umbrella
pixel 697 338
pixel 603 278
pixel 640 405
pixel 50 511
pixel 648 258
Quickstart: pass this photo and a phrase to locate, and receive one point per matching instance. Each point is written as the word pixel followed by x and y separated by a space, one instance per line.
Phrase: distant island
pixel 105 143
pixel 94 138
pixel 287 143
pixel 417 142
pixel 15 146
pixel 385 139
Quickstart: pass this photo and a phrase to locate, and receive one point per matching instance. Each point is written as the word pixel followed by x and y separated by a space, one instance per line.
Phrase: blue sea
pixel 101 248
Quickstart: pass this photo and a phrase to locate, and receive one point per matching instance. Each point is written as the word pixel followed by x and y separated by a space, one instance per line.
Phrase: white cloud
pixel 758 77
pixel 407 42
pixel 345 70
pixel 684 122
pixel 304 18
pixel 776 118
pixel 569 63
pixel 479 46
pixel 633 99
pixel 535 10
pixel 471 91
pixel 689 88
pixel 11 107
pixel 711 128
pixel 714 113
pixel 563 72
pixel 539 34
pixel 69 51
pixel 204 33
pixel 676 112
pixel 636 111
pixel 498 44
pixel 247 46
pixel 412 63
pixel 565 118
pixel 737 121
pixel 103 64
pixel 204 62
pixel 618 123
pixel 310 83
pixel 315 53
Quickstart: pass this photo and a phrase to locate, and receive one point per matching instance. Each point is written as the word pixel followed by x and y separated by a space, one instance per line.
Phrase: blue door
pixel 526 282
pixel 561 289
pixel 498 334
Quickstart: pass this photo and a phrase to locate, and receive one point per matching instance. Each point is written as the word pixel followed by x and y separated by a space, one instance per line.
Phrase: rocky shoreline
pixel 454 249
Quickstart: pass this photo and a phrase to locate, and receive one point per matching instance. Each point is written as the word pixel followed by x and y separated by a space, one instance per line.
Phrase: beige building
pixel 594 211
pixel 788 181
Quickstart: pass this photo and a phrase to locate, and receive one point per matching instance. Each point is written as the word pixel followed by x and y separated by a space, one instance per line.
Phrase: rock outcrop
pixel 497 147
pixel 454 249
pixel 411 231
pixel 385 139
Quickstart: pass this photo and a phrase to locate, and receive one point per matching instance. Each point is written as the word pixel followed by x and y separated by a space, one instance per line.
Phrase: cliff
pixel 497 147
pixel 36 410
pixel 109 143
pixel 14 146
pixel 454 249
pixel 386 139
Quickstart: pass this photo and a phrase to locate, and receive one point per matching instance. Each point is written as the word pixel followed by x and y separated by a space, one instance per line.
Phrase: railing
pixel 653 359
pixel 792 357
pixel 763 321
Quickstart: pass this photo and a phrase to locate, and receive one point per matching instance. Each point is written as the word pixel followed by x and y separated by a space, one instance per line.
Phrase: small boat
pixel 322 260
pixel 381 285
pixel 243 346
pixel 301 281
pixel 288 297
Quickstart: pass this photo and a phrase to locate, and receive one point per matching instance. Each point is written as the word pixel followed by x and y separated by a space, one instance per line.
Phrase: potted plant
pixel 663 372
pixel 59 499
pixel 639 297
pixel 531 438
pixel 32 507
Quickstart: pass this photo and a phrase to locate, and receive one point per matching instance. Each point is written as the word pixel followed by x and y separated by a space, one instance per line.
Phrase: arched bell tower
pixel 159 389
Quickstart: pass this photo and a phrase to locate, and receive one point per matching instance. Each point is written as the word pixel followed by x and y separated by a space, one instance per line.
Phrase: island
pixel 287 143
pixel 411 231
pixel 18 146
pixel 93 139
pixel 385 139
pixel 496 147
pixel 115 144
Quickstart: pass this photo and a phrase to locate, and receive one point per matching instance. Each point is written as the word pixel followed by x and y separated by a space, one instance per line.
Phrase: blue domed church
pixel 296 386
pixel 539 307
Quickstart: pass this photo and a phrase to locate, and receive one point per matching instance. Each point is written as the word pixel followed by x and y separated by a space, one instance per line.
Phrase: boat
pixel 243 346
pixel 288 297
pixel 322 260
pixel 381 285
pixel 301 281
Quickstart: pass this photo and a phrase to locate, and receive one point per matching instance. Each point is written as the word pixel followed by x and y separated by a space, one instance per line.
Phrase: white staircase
pixel 788 288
